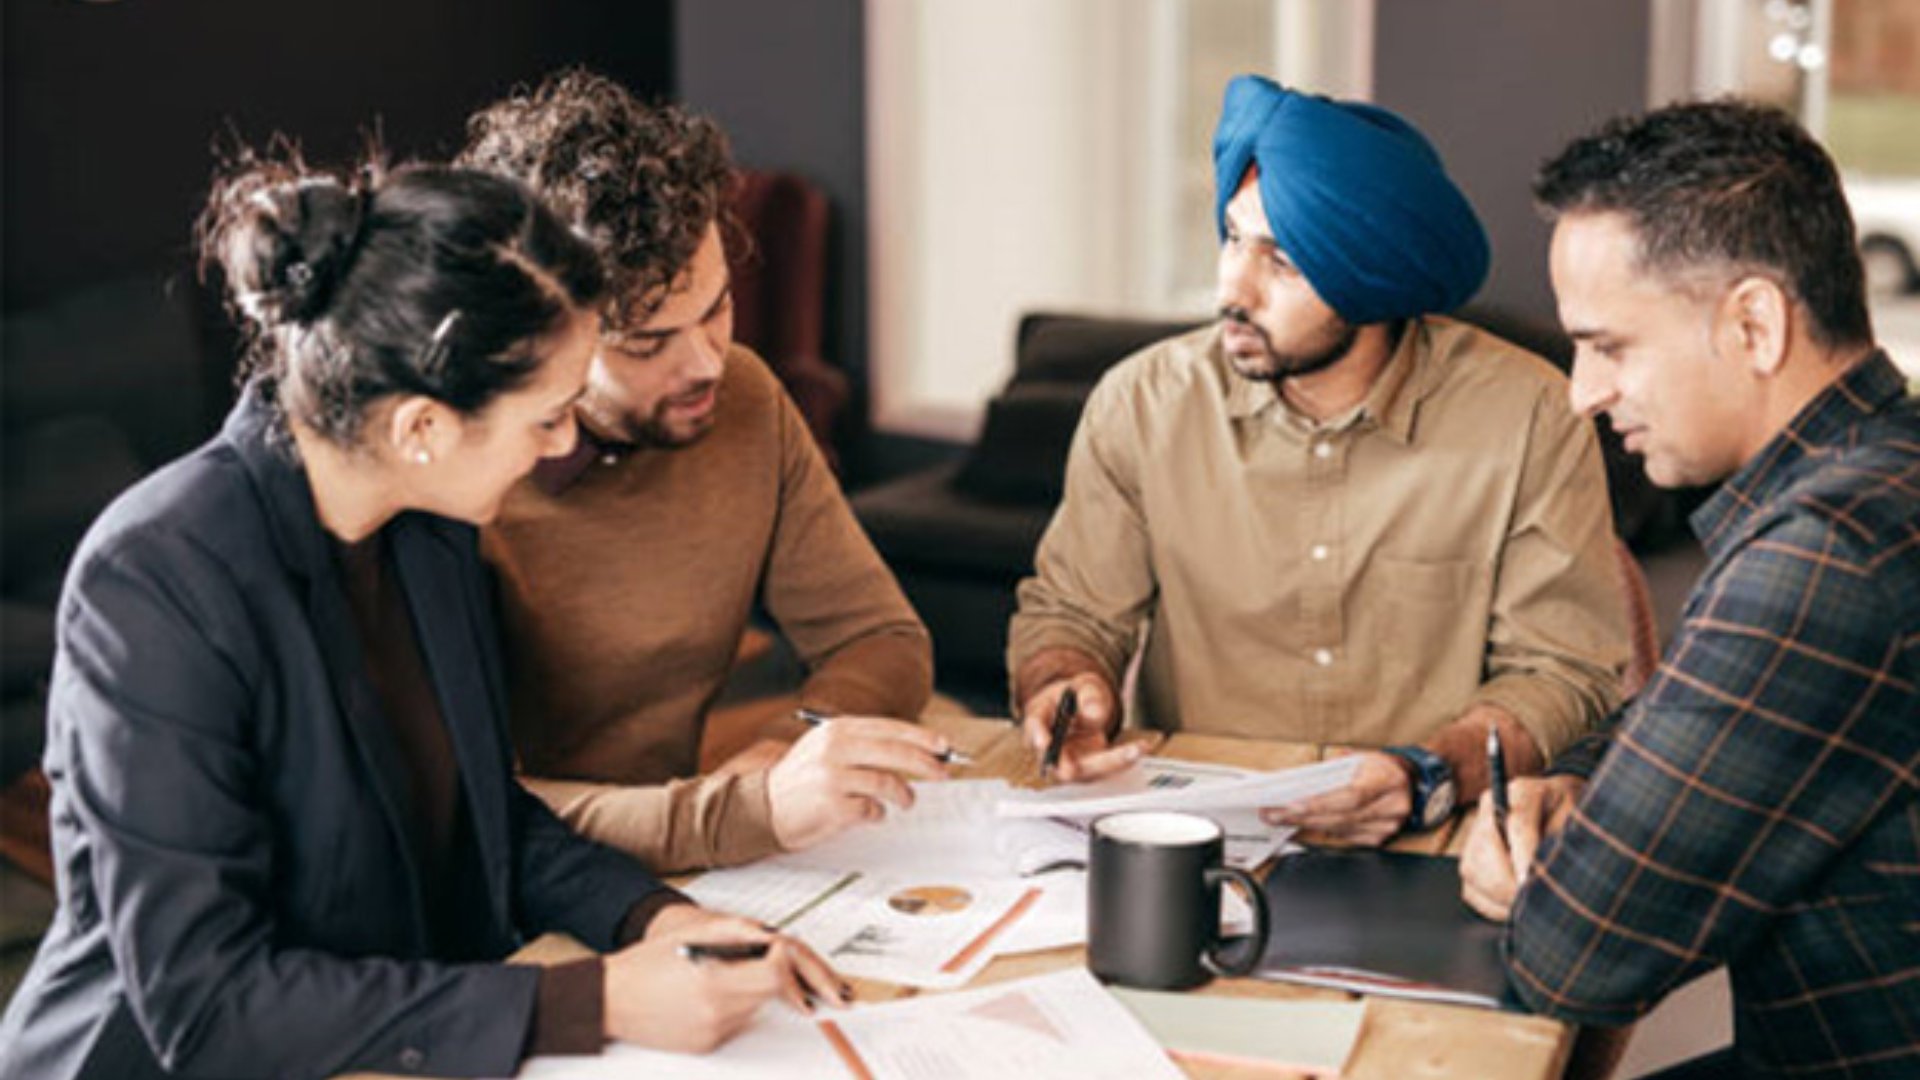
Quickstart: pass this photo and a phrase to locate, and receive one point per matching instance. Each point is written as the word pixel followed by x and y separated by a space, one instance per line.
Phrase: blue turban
pixel 1356 198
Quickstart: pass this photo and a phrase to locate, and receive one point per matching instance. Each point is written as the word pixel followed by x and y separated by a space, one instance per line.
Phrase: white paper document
pixel 1064 1025
pixel 952 830
pixel 952 833
pixel 780 1042
pixel 1036 845
pixel 1057 920
pixel 1165 784
pixel 1061 1025
pixel 930 930
pixel 962 826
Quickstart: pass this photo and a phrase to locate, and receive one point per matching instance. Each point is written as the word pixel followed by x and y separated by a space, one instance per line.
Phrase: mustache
pixel 694 392
pixel 1241 317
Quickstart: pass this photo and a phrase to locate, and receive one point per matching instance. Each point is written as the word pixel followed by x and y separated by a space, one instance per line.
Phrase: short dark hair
pixel 641 181
pixel 1724 183
pixel 424 280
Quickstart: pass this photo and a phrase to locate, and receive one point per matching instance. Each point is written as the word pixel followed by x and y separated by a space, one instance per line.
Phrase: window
pixel 1056 155
pixel 1850 69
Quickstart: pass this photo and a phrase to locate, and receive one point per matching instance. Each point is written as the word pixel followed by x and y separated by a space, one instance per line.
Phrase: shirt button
pixel 1319 553
pixel 411 1059
pixel 1323 450
pixel 609 458
pixel 1323 657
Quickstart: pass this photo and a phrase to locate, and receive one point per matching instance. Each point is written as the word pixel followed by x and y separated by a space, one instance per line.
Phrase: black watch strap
pixel 1431 783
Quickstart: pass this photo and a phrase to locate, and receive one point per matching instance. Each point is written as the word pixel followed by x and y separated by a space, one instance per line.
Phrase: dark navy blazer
pixel 237 880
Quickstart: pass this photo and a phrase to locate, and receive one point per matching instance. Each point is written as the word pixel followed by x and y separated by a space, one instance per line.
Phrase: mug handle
pixel 1250 958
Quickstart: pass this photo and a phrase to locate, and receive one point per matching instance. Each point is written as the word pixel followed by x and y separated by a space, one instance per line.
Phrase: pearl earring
pixel 422 457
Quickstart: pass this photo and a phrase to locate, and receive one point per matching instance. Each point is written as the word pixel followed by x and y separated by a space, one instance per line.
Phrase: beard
pixel 657 429
pixel 1276 366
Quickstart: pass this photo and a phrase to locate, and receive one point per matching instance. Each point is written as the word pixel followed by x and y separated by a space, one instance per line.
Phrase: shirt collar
pixel 555 475
pixel 1823 425
pixel 1391 401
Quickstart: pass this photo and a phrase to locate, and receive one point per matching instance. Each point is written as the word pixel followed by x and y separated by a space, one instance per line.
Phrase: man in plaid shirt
pixel 1755 805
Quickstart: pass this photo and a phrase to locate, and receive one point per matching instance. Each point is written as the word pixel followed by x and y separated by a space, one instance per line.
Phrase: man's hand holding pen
pixel 1495 862
pixel 819 718
pixel 1085 750
pixel 847 771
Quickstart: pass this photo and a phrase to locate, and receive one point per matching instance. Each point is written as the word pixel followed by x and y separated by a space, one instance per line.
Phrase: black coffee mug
pixel 1153 902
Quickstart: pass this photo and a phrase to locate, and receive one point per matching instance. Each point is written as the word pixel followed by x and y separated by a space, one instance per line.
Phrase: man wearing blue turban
pixel 1335 515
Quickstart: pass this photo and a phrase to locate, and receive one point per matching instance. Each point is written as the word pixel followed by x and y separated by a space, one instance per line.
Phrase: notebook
pixel 1381 922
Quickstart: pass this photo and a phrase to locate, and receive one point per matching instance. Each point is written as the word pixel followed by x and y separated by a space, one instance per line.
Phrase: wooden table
pixel 1399 1040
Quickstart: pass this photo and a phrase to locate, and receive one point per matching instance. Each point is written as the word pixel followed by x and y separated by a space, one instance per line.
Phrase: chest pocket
pixel 1435 628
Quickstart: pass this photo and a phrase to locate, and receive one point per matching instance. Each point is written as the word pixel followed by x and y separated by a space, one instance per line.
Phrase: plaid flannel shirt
pixel 1755 806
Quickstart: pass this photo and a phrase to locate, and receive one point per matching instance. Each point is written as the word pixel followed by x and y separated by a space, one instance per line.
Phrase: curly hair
pixel 641 182
pixel 1724 186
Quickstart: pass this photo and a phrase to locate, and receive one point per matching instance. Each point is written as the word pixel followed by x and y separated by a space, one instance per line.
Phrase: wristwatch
pixel 1431 779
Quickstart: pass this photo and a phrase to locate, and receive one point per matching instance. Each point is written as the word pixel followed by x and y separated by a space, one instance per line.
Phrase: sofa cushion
pixel 920 520
pixel 1021 454
pixel 1080 348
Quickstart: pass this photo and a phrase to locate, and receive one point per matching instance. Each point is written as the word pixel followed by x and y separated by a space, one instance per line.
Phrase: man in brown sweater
pixel 629 570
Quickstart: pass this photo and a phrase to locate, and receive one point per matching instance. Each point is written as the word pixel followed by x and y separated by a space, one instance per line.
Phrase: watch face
pixel 1439 804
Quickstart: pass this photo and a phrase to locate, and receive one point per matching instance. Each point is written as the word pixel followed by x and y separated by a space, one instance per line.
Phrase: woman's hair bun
pixel 283 240
pixel 419 280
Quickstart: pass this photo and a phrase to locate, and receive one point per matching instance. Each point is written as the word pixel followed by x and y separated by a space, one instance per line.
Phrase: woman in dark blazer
pixel 288 838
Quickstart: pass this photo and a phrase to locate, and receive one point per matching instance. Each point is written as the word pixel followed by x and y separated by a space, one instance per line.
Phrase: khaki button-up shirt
pixel 1366 581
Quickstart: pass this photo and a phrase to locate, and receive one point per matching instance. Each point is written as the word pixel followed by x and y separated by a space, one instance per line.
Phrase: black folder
pixel 1381 922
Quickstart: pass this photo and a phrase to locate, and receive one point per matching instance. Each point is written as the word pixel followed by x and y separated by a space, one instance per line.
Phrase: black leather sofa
pixel 961 536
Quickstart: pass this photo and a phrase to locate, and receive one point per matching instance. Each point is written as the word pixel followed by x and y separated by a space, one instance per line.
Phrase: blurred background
pixel 1015 193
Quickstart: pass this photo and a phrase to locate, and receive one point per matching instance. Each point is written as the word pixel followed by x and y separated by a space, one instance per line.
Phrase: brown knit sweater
pixel 626 587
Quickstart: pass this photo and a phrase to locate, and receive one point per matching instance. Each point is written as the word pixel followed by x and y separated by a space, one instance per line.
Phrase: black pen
pixel 1497 781
pixel 1063 714
pixel 816 718
pixel 726 952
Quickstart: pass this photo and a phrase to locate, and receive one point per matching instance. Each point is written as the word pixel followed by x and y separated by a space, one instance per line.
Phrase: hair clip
pixel 434 356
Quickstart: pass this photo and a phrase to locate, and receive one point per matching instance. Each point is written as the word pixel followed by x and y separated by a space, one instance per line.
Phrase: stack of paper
pixel 977 868
pixel 930 930
pixel 1064 1025
pixel 1061 1025
pixel 1164 784
pixel 947 859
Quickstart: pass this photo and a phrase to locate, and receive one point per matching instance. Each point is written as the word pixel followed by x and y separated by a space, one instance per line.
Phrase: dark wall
pixel 1500 85
pixel 786 82
pixel 110 108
